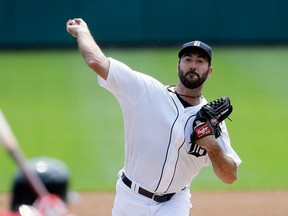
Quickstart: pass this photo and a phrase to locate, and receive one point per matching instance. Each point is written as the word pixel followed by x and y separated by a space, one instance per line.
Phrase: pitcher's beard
pixel 194 83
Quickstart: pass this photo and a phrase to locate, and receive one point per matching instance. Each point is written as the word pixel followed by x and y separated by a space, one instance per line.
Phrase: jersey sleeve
pixel 224 142
pixel 125 84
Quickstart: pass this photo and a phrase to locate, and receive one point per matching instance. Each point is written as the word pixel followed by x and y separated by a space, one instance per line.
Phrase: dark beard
pixel 194 83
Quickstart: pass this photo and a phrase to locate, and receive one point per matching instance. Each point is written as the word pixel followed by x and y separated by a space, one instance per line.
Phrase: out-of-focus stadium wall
pixel 39 23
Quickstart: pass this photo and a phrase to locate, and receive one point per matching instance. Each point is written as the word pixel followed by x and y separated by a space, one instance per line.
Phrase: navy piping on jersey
pixel 184 103
pixel 168 145
pixel 178 154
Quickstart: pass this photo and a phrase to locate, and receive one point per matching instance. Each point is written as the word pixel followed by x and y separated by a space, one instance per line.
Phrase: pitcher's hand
pixel 73 26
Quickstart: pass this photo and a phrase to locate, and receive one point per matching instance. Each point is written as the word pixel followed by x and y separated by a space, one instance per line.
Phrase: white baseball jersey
pixel 157 131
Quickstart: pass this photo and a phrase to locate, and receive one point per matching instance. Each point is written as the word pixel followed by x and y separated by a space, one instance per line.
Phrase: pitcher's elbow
pixel 231 179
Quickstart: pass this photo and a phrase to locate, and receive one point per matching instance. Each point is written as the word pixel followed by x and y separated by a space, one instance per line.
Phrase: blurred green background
pixel 56 108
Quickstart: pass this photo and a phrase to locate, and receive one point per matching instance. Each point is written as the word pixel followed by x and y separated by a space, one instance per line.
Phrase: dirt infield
pixel 228 203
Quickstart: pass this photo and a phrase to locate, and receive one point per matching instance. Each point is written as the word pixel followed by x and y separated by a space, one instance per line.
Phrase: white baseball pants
pixel 129 203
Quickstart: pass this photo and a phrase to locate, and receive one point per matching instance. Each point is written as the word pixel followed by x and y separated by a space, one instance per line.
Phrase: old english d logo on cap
pixel 199 44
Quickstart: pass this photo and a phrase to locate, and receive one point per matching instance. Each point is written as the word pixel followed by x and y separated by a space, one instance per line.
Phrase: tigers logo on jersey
pixel 196 150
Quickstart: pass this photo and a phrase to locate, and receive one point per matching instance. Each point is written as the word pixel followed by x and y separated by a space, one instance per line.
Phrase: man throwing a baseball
pixel 165 147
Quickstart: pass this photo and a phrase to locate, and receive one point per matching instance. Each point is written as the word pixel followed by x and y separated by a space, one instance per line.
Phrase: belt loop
pixel 137 186
pixel 153 197
pixel 134 187
pixel 120 173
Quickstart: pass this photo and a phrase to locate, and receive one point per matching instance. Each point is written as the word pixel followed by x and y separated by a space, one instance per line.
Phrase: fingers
pixel 74 21
pixel 71 24
pixel 78 20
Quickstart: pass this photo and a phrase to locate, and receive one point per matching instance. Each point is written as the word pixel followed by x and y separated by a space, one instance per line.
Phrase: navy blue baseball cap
pixel 196 45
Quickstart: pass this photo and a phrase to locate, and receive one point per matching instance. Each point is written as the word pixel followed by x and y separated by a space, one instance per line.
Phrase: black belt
pixel 155 197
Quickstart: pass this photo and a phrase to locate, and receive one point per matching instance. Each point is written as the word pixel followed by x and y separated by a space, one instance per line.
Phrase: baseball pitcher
pixel 171 132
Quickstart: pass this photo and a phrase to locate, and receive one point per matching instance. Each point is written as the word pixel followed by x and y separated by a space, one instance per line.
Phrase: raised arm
pixel 89 49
